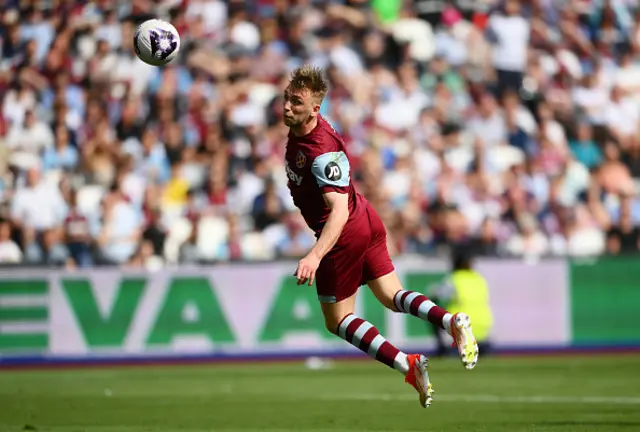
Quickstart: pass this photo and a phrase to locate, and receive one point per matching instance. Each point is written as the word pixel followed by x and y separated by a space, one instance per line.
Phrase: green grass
pixel 579 393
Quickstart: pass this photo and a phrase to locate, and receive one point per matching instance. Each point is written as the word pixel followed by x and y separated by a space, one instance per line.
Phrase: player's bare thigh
pixel 378 268
pixel 334 313
pixel 385 289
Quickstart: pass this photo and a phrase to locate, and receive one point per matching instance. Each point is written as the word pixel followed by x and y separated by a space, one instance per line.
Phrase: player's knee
pixel 385 289
pixel 335 313
pixel 389 303
pixel 332 324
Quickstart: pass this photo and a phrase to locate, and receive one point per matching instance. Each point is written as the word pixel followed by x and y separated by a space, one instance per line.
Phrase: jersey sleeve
pixel 332 172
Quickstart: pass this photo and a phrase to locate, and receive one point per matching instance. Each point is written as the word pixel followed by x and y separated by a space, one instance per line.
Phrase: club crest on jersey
pixel 301 159
pixel 295 178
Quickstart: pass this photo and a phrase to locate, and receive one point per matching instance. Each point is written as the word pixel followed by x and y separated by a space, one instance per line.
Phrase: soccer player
pixel 351 245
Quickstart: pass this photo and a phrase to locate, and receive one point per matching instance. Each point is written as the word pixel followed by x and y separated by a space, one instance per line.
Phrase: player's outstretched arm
pixel 339 205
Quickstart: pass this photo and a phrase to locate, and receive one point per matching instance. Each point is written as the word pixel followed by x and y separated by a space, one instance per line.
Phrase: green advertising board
pixel 259 309
pixel 605 302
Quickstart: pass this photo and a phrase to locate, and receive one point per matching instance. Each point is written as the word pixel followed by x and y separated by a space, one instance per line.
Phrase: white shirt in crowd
pixel 10 252
pixel 40 207
pixel 623 116
pixel 510 50
pixel 491 130
pixel 27 143
pixel 593 101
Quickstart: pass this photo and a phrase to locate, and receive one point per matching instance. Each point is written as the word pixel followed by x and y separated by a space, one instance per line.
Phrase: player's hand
pixel 306 270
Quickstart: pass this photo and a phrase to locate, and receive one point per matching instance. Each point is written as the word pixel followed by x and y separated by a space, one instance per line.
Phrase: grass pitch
pixel 568 393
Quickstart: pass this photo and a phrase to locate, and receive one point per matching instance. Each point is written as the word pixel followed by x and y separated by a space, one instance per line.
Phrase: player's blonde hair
pixel 310 78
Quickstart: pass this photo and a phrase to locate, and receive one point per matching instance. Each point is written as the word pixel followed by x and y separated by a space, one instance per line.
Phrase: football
pixel 156 42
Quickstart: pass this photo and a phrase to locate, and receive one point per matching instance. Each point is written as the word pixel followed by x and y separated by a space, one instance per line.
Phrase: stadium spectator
pixel 295 240
pixel 78 234
pixel 10 253
pixel 37 205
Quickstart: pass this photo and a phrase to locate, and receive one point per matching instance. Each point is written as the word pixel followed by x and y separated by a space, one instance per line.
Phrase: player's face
pixel 299 107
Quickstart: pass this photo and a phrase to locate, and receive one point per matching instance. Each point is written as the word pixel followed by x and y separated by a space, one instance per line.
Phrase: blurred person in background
pixel 155 232
pixel 188 252
pixel 231 249
pixel 509 33
pixel 145 258
pixel 78 234
pixel 624 235
pixel 464 289
pixel 50 251
pixel 37 206
pixel 268 207
pixel 583 146
pixel 10 252
pixel 62 156
pixel 297 239
pixel 28 140
pixel 118 231
pixel 530 241
pixel 488 241
pixel 174 196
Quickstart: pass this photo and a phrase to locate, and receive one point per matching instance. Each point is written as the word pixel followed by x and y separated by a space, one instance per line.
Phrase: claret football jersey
pixel 318 163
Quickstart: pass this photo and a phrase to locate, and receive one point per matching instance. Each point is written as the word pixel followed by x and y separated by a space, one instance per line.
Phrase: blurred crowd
pixel 510 127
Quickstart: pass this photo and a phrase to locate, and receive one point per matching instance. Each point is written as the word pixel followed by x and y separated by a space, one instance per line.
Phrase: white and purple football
pixel 156 42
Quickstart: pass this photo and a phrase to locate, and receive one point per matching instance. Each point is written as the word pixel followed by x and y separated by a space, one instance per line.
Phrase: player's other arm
pixel 339 205
pixel 332 172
